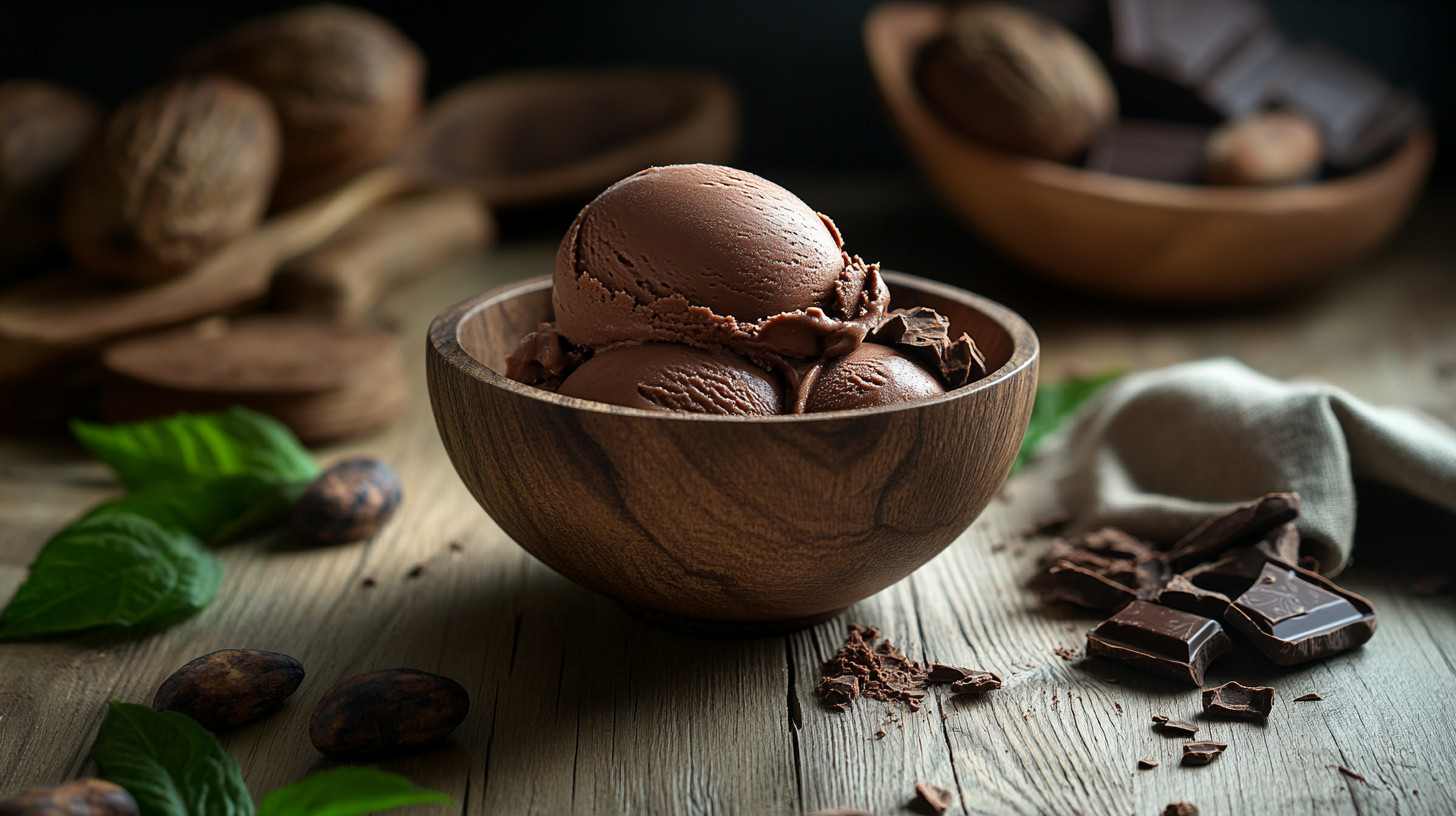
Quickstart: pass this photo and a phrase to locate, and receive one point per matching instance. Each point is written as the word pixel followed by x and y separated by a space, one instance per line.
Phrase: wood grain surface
pixel 579 708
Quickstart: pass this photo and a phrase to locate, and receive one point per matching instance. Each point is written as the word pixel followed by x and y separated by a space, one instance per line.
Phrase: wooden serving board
pixel 579 708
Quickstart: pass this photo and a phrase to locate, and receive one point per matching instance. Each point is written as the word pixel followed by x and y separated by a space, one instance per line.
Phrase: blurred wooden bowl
pixel 725 524
pixel 1129 238
pixel 547 136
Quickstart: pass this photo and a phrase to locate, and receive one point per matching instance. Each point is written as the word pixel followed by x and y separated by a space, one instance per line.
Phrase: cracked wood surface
pixel 579 708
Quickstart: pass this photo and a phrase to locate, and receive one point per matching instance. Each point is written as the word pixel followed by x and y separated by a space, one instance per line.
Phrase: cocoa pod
pixel 346 84
pixel 1017 81
pixel 177 172
pixel 354 499
pixel 229 687
pixel 79 797
pixel 386 713
pixel 43 131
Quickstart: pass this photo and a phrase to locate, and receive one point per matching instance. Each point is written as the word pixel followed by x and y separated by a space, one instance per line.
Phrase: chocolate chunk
pixel 880 672
pixel 1164 641
pixel 962 362
pixel 1311 697
pixel 1173 727
pixel 1159 151
pixel 977 683
pixel 1066 581
pixel 838 691
pixel 1181 593
pixel 1244 525
pixel 1233 574
pixel 1293 615
pixel 1283 543
pixel 1151 576
pixel 1201 752
pixel 1145 764
pixel 931 798
pixel 1238 702
pixel 1180 809
pixel 544 358
pixel 925 334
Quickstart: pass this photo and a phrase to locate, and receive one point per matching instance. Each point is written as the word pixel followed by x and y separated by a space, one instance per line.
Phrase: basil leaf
pixel 171 765
pixel 186 447
pixel 347 791
pixel 111 570
pixel 215 510
pixel 1055 402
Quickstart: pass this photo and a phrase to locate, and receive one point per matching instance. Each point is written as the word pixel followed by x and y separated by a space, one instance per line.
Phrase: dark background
pixel 799 65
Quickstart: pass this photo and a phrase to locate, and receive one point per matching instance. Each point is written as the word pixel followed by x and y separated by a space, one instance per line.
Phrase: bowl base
pixel 725 630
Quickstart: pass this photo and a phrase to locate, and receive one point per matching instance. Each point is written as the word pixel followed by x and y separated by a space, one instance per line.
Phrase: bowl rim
pixel 444 340
pixel 888 50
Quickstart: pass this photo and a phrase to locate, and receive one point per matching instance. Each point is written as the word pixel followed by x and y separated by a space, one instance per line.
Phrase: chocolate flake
pixel 1202 752
pixel 931 798
pixel 838 691
pixel 1145 764
pixel 879 672
pixel 1180 809
pixel 1239 702
pixel 1172 727
pixel 1245 524
pixel 1311 697
pixel 941 673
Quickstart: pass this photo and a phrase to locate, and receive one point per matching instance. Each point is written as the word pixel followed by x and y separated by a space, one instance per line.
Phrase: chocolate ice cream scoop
pixel 870 376
pixel 715 258
pixel 672 377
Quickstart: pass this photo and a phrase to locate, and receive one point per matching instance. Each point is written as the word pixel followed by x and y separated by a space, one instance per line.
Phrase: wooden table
pixel 579 708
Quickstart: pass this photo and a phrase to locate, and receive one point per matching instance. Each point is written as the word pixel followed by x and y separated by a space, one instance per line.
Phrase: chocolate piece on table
pixel 1311 697
pixel 1145 764
pixel 1233 574
pixel 1180 809
pixel 1237 701
pixel 1245 524
pixel 1152 575
pixel 1164 641
pixel 1293 615
pixel 976 682
pixel 932 797
pixel 1158 151
pixel 941 673
pixel 1174 727
pixel 1202 752
pixel 1114 543
pixel 838 691
pixel 1066 581
pixel 1181 593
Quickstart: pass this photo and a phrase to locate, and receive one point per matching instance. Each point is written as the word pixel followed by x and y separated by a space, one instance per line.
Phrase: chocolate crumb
pixel 1351 774
pixel 1173 727
pixel 1430 585
pixel 880 734
pixel 879 672
pixel 1118 706
pixel 1202 752
pixel 931 798
pixel 1066 653
pixel 1239 702
pixel 1311 697
pixel 1145 764
pixel 369 582
pixel 1180 809
pixel 998 546
pixel 456 546
pixel 838 690
pixel 419 569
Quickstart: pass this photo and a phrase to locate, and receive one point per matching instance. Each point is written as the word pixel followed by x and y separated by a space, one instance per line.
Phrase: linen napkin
pixel 1157 452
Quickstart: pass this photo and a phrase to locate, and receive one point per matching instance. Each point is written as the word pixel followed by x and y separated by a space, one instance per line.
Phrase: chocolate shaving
pixel 925 334
pixel 941 673
pixel 1145 764
pixel 1293 615
pixel 838 691
pixel 1202 752
pixel 931 798
pixel 1311 697
pixel 879 672
pixel 544 358
pixel 1245 524
pixel 1239 702
pixel 1173 727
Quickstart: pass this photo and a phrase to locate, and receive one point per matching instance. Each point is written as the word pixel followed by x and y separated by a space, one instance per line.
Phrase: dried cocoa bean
pixel 229 687
pixel 386 713
pixel 353 499
pixel 79 797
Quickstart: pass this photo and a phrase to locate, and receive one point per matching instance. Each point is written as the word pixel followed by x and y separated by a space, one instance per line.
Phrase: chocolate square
pixel 1159 151
pixel 1164 641
pixel 1293 615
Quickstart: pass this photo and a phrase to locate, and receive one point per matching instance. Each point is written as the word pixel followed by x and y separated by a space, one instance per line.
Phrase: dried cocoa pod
pixel 79 797
pixel 43 131
pixel 346 85
pixel 386 713
pixel 1017 81
pixel 354 499
pixel 177 171
pixel 229 687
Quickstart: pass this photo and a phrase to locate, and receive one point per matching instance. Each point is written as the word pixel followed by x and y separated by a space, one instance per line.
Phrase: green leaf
pixel 111 570
pixel 1055 402
pixel 214 510
pixel 347 791
pixel 186 447
pixel 171 765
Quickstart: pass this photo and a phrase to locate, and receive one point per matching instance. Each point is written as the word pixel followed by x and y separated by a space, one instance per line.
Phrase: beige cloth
pixel 1159 451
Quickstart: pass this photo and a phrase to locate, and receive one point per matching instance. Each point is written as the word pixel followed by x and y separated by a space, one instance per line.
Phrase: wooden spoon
pixel 66 313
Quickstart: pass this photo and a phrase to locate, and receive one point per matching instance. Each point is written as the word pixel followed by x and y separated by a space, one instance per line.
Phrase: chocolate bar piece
pixel 1202 752
pixel 1182 40
pixel 1294 615
pixel 1245 524
pixel 1164 641
pixel 1181 593
pixel 1158 151
pixel 1237 701
pixel 1171 726
pixel 925 334
pixel 976 682
pixel 1233 574
pixel 1066 581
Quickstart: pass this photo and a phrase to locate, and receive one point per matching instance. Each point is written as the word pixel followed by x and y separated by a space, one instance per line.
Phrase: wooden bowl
pixel 1129 238
pixel 547 136
pixel 725 524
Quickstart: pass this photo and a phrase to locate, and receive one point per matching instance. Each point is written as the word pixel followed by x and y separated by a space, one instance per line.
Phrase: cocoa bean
pixel 386 713
pixel 229 687
pixel 353 499
pixel 79 797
